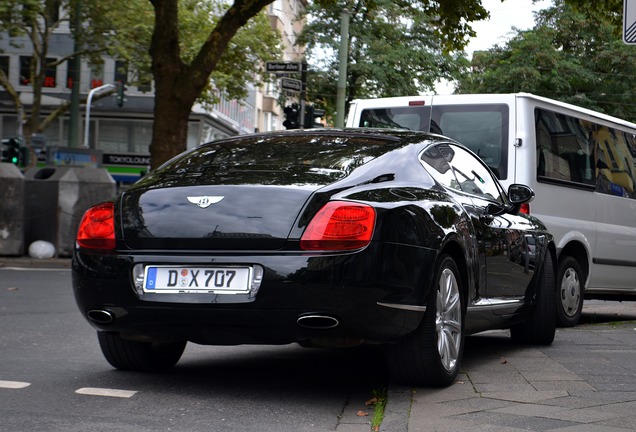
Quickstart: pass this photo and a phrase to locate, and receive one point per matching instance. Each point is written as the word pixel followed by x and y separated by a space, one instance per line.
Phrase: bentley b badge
pixel 204 201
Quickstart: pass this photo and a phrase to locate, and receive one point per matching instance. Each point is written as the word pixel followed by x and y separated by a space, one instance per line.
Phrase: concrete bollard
pixel 56 199
pixel 11 210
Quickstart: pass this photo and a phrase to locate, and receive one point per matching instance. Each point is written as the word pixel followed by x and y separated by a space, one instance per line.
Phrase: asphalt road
pixel 53 376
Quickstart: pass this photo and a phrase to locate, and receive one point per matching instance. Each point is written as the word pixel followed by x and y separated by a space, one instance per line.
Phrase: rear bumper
pixel 335 288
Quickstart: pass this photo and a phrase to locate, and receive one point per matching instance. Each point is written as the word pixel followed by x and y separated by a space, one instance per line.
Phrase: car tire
pixel 570 285
pixel 138 356
pixel 540 326
pixel 431 356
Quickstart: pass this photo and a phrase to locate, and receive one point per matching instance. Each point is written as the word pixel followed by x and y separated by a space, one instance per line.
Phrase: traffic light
pixel 292 114
pixel 11 151
pixel 120 93
pixel 311 114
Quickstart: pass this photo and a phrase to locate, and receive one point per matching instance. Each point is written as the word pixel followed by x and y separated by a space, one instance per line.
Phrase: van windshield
pixel 412 118
pixel 483 128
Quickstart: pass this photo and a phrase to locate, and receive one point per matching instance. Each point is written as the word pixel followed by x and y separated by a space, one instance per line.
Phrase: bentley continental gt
pixel 321 237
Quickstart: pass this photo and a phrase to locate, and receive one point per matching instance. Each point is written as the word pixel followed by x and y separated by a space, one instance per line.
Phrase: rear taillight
pixel 339 225
pixel 525 208
pixel 97 228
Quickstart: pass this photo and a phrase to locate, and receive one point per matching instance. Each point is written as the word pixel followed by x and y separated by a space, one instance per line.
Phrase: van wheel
pixel 570 292
pixel 138 356
pixel 540 326
pixel 431 356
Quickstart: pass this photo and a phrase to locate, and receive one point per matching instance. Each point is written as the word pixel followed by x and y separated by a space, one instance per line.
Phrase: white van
pixel 580 163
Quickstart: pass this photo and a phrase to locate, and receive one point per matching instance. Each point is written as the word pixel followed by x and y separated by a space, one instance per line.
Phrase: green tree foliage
pixel 573 54
pixel 182 69
pixel 195 50
pixel 605 10
pixel 396 48
pixel 134 25
pixel 29 25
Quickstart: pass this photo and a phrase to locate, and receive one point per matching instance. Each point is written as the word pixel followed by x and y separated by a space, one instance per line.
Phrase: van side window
pixel 564 148
pixel 582 153
pixel 615 155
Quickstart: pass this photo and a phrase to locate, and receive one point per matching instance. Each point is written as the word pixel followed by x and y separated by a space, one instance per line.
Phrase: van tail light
pixel 525 208
pixel 339 225
pixel 97 227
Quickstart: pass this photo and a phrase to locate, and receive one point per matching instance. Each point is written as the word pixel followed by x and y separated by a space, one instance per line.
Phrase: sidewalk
pixel 28 262
pixel 585 381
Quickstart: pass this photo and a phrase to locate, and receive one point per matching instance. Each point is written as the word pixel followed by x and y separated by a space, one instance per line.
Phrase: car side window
pixel 472 175
pixel 439 168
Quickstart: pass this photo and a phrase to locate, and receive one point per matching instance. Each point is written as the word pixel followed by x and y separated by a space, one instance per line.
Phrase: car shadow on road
pixel 267 371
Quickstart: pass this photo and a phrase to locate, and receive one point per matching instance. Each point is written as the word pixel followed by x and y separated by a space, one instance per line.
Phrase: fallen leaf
pixel 503 361
pixel 362 413
pixel 12 289
pixel 371 401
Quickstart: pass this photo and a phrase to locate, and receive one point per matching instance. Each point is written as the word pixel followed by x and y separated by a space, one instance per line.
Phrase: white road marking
pixel 14 384
pixel 94 391
pixel 31 269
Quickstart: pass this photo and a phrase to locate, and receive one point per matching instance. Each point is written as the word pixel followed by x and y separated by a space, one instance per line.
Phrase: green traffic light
pixel 14 160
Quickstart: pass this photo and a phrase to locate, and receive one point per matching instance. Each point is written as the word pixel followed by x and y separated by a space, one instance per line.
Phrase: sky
pixel 495 31
pixel 503 16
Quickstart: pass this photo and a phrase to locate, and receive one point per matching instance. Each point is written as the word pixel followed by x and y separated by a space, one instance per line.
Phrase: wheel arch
pixel 577 250
pixel 455 251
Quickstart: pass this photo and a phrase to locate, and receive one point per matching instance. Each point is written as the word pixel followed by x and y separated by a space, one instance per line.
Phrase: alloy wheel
pixel 448 320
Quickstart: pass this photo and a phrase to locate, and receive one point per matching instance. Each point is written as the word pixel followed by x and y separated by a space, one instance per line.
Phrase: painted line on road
pixel 95 391
pixel 14 384
pixel 31 269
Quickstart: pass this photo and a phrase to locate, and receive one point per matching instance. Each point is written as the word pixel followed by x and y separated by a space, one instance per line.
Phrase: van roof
pixel 401 101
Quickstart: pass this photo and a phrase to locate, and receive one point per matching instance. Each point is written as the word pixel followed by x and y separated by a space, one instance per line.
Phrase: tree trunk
pixel 177 85
pixel 170 129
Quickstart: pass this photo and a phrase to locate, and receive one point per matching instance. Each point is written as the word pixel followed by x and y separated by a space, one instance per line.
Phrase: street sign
pixel 283 67
pixel 629 22
pixel 293 85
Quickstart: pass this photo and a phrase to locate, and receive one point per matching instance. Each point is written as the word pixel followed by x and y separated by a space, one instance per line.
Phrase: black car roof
pixel 390 134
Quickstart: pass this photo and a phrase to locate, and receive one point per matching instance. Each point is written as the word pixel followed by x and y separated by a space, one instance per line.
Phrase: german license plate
pixel 213 280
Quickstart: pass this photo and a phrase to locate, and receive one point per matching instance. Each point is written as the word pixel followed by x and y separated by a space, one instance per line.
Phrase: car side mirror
pixel 520 194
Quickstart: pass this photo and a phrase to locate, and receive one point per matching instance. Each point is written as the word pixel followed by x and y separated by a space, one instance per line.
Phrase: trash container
pixel 57 197
pixel 11 210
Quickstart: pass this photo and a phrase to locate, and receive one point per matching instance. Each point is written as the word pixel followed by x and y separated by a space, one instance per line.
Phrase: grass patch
pixel 379 403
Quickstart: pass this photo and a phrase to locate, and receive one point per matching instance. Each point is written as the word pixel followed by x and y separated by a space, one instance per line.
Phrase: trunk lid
pixel 219 217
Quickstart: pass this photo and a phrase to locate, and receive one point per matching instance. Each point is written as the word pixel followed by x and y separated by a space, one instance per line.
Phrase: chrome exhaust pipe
pixel 317 322
pixel 101 316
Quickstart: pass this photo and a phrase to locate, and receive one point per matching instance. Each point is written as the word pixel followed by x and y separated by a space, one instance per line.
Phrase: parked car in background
pixel 320 237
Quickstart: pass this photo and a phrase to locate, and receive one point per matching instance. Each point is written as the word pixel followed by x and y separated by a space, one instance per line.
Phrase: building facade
pixel 123 133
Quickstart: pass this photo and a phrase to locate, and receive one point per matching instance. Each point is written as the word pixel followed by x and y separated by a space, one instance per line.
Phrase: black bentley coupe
pixel 320 237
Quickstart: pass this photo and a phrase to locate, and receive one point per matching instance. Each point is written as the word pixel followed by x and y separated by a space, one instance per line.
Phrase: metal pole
pixel 342 69
pixel 74 117
pixel 88 109
pixel 303 93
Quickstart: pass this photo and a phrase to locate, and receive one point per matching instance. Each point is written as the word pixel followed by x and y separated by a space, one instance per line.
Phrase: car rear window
pixel 298 157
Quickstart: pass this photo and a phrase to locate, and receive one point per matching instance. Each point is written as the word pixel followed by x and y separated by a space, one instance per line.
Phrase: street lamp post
pixel 88 109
